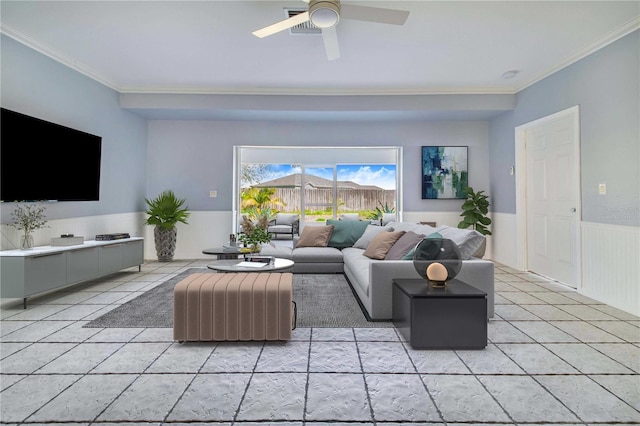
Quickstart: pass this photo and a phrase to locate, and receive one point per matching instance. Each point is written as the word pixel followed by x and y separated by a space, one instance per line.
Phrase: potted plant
pixel 28 218
pixel 474 211
pixel 379 212
pixel 254 235
pixel 164 212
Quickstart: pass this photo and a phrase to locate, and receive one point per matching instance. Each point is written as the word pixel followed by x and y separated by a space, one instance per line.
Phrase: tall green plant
pixel 166 210
pixel 474 211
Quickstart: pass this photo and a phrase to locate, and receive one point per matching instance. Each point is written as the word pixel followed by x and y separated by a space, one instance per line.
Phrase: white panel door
pixel 552 199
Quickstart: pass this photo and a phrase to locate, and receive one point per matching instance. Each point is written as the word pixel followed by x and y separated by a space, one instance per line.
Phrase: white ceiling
pixel 207 46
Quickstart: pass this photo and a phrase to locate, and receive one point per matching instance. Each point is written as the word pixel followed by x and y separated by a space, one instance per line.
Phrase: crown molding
pixel 284 91
pixel 607 39
pixel 55 55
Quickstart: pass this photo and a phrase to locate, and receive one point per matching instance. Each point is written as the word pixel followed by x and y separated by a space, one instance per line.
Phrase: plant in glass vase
pixel 28 218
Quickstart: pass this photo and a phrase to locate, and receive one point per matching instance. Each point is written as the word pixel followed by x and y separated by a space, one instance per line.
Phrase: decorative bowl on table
pixel 437 260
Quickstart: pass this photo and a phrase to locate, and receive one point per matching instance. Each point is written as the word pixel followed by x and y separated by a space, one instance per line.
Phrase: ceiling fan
pixel 325 14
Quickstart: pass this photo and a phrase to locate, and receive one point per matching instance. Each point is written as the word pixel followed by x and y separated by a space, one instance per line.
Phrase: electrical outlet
pixel 213 194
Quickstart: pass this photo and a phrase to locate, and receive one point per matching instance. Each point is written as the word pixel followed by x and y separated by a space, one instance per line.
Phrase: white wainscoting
pixel 611 266
pixel 206 229
pixel 87 227
pixel 504 247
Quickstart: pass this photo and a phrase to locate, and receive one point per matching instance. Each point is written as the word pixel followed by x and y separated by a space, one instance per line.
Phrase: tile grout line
pixel 195 376
pixel 364 379
pixel 306 385
pixel 419 375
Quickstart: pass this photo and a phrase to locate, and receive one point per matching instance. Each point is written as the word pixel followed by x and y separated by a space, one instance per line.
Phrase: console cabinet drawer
pixel 82 265
pixel 44 272
pixel 110 259
pixel 133 254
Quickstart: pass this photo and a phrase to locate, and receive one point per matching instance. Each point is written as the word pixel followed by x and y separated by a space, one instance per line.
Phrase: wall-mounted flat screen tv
pixel 40 160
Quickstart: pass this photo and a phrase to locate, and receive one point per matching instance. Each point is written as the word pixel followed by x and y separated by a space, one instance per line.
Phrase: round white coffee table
pixel 233 265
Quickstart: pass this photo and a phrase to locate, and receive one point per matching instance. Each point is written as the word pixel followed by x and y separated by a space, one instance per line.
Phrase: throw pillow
pixel 315 236
pixel 369 233
pixel 346 232
pixel 405 244
pixel 409 255
pixel 381 244
pixel 468 240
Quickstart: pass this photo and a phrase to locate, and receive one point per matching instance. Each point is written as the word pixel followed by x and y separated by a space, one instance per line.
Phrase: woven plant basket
pixel 165 241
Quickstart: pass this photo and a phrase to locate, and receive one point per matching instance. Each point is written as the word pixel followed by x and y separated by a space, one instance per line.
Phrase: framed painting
pixel 445 172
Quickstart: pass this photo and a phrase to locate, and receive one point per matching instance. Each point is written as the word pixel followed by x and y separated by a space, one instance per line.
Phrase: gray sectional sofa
pixel 371 279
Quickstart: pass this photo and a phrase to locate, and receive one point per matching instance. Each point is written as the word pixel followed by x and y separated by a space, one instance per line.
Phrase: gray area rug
pixel 323 300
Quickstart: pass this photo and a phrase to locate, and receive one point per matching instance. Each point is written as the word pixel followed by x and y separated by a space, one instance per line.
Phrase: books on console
pixel 109 237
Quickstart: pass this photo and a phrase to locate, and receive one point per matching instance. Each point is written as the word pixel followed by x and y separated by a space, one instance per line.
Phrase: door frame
pixel 521 187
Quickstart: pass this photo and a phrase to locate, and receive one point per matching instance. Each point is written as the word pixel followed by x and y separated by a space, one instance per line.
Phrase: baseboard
pixel 362 308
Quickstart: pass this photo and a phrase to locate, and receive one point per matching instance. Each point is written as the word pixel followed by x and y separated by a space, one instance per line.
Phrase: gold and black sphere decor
pixel 437 260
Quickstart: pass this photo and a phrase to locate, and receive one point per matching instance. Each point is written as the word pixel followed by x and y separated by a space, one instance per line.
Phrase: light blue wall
pixel 36 85
pixel 606 86
pixel 194 157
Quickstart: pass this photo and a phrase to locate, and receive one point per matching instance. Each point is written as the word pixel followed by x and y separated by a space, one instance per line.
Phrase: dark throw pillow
pixel 404 245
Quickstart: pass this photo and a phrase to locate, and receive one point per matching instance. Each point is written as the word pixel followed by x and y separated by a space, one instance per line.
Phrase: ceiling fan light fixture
pixel 324 14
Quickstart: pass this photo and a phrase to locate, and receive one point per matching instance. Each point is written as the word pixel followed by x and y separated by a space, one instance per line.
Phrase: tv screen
pixel 40 160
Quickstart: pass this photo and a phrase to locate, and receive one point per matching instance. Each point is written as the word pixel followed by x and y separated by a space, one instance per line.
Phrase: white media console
pixel 24 273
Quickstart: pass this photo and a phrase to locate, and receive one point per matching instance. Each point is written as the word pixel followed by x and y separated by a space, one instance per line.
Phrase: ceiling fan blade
pixel 331 46
pixel 373 14
pixel 282 25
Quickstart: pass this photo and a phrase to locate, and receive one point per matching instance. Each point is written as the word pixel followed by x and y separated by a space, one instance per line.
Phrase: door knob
pixel 573 210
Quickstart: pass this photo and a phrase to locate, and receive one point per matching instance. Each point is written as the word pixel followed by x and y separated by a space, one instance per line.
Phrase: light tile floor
pixel 554 357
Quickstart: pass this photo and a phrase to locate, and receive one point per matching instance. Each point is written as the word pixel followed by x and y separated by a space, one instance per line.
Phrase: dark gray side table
pixel 222 253
pixel 452 317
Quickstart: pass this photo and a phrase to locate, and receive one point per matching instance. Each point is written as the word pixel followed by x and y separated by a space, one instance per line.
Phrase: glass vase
pixel 26 242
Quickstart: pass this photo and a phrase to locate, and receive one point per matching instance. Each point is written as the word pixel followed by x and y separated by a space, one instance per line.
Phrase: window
pixel 343 183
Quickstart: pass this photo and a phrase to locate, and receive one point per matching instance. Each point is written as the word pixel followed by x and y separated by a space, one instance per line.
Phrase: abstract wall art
pixel 444 172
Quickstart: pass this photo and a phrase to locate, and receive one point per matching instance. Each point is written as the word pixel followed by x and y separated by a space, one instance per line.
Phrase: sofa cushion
pixel 404 245
pixel 382 243
pixel 388 218
pixel 345 232
pixel 369 233
pixel 280 229
pixel 409 255
pixel 468 240
pixel 286 218
pixel 276 251
pixel 315 236
pixel 410 226
pixel 358 266
pixel 317 255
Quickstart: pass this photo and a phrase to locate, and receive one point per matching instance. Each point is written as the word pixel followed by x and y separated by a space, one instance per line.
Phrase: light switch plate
pixel 213 194
pixel 602 189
